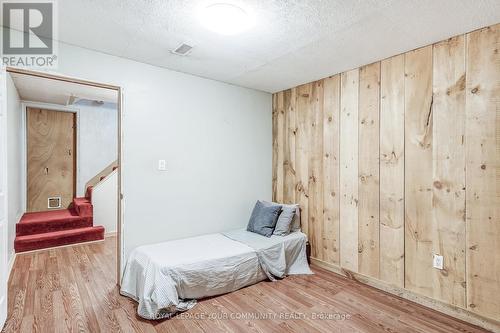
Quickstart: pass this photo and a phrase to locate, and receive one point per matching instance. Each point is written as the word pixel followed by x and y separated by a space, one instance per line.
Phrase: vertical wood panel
pixel 392 170
pixel 449 169
pixel 419 227
pixel 331 123
pixel 483 171
pixel 302 147
pixel 349 170
pixel 316 170
pixel 369 111
pixel 289 158
pixel 416 139
pixel 280 132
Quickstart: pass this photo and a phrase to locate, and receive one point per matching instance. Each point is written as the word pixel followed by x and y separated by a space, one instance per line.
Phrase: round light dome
pixel 226 19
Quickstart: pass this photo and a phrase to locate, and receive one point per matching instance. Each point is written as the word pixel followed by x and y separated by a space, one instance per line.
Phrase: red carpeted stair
pixel 41 230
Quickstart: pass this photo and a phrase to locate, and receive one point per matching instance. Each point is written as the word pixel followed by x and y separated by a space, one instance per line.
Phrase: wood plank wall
pixel 399 160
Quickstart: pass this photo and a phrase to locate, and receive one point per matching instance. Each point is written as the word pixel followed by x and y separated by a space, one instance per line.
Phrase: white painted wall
pixel 14 162
pixel 215 137
pixel 98 145
pixel 104 200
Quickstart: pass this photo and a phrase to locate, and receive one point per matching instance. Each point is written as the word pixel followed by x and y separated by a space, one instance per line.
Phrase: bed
pixel 169 277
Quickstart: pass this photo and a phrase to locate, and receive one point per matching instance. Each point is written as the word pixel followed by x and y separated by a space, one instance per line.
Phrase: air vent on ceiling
pixel 182 49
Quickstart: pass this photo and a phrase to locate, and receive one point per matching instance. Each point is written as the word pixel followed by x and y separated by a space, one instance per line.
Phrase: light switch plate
pixel 437 261
pixel 162 165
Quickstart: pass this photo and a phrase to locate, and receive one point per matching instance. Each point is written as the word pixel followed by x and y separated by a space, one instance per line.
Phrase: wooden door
pixel 51 158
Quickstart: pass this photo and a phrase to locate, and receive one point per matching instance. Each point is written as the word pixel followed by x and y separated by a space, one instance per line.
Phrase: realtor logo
pixel 28 33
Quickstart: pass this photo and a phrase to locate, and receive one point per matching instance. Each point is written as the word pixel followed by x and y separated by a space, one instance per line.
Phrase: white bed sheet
pixel 168 277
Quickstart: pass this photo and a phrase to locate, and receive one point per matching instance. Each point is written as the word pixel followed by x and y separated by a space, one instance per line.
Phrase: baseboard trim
pixel 11 265
pixel 110 234
pixel 428 302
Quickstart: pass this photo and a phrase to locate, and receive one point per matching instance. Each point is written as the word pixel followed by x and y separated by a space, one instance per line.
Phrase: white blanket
pixel 168 277
pixel 278 255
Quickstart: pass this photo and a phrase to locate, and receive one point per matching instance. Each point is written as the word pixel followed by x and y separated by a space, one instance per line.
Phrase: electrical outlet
pixel 437 261
pixel 162 165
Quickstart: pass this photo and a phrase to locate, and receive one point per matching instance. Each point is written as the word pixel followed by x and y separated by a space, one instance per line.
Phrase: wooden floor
pixel 73 289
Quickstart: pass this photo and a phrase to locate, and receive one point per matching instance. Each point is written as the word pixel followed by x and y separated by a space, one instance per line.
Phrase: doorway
pixel 74 100
pixel 51 159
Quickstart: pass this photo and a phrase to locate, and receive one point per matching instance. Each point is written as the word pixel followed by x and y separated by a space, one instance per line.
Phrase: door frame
pixel 4 204
pixel 120 190
pixel 24 143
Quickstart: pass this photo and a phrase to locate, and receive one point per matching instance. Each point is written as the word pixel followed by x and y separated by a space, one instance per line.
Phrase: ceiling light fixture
pixel 226 19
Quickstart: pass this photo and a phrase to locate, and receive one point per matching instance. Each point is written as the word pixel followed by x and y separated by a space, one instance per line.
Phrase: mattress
pixel 168 277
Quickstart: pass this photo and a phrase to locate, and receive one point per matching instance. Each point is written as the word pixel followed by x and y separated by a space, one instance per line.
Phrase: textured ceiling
pixel 292 42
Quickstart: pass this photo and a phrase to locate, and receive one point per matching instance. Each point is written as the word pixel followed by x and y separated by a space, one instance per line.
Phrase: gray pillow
pixel 296 220
pixel 284 223
pixel 289 219
pixel 263 219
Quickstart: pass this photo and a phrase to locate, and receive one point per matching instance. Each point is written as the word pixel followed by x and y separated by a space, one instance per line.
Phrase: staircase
pixel 42 230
